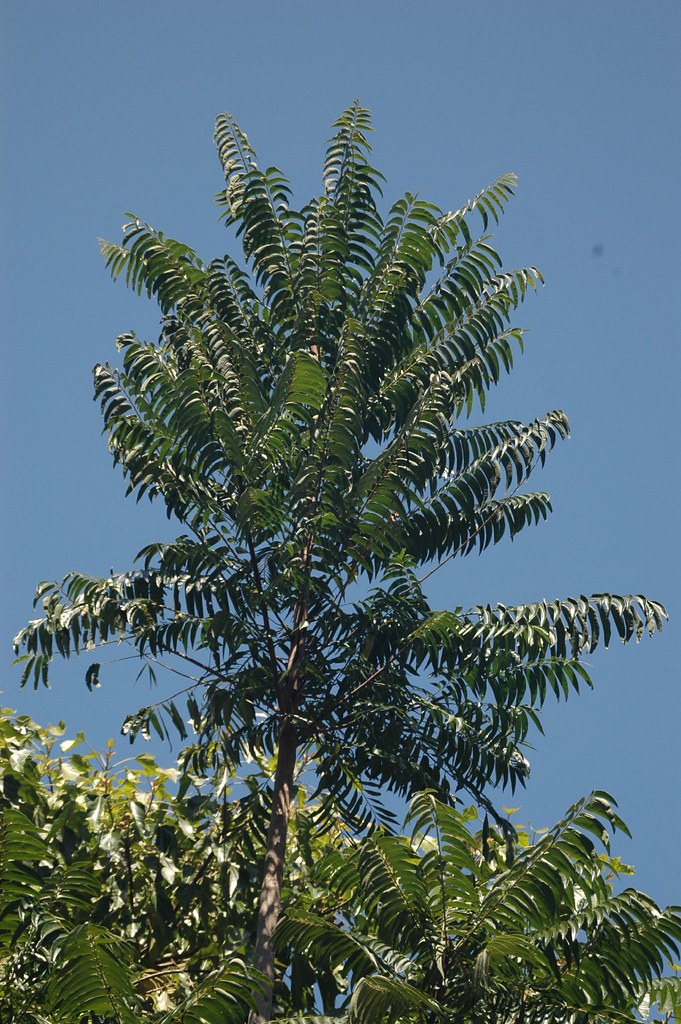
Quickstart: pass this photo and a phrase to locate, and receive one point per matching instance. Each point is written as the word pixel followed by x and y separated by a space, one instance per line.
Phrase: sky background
pixel 109 107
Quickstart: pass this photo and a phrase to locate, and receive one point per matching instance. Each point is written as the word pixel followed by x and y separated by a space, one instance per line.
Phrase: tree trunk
pixel 270 894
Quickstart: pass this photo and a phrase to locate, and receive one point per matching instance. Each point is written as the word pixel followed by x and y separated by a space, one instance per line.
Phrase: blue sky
pixel 109 108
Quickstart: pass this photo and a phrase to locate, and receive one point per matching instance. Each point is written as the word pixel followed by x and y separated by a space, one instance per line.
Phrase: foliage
pixel 127 891
pixel 456 923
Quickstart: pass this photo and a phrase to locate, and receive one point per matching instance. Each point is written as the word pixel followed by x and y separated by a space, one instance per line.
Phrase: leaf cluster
pixel 460 923
pixel 304 417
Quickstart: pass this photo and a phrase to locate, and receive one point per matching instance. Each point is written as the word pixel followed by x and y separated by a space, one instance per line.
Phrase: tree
pixel 126 889
pixel 303 420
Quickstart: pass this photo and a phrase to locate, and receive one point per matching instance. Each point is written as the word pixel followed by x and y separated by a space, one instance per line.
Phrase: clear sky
pixel 109 107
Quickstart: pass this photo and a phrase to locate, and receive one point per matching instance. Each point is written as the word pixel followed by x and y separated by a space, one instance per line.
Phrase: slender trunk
pixel 270 894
